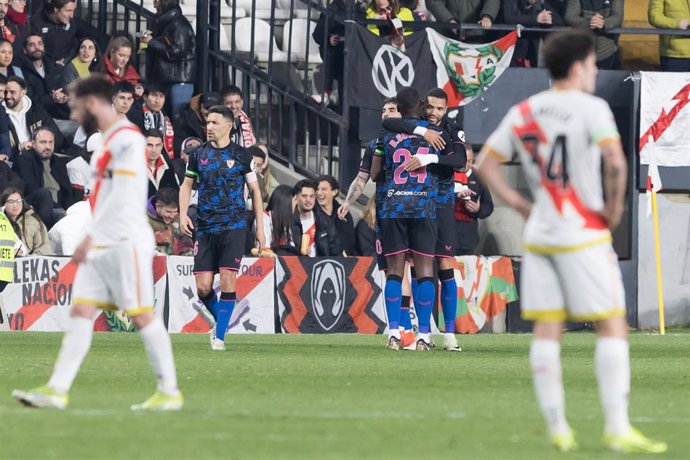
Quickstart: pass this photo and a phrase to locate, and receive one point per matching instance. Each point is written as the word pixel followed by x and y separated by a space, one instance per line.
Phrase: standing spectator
pixel 17 21
pixel 599 16
pixel 365 231
pixel 314 232
pixel 172 50
pixel 279 222
pixel 164 219
pixel 43 79
pixel 674 50
pixel 7 69
pixel 117 66
pixel 41 170
pixel 192 122
pixel 148 115
pixel 473 202
pixel 123 97
pixel 25 118
pixel 483 12
pixel 529 13
pixel 86 61
pixel 242 130
pixel 326 192
pixel 29 227
pixel 161 171
pixel 388 10
pixel 60 30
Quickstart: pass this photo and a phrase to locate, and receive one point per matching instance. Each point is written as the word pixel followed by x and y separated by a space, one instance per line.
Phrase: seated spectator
pixel 242 130
pixel 17 21
pixel 388 10
pixel 314 233
pixel 7 69
pixel 70 231
pixel 187 147
pixel 61 31
pixel 5 145
pixel 599 16
pixel 160 170
pixel 9 178
pixel 172 48
pixel 192 122
pixel 262 168
pixel 25 118
pixel 123 97
pixel 43 79
pixel 365 231
pixel 86 61
pixel 148 115
pixel 279 221
pixel 163 213
pixel 529 13
pixel 43 171
pixel 116 64
pixel 28 226
pixel 482 12
pixel 674 50
pixel 326 192
pixel 473 202
pixel 79 169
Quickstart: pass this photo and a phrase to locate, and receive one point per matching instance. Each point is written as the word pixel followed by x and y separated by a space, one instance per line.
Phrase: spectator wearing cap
pixel 327 189
pixel 161 170
pixel 25 118
pixel 123 97
pixel 600 16
pixel 7 67
pixel 61 31
pixel 192 122
pixel 17 21
pixel 483 12
pixel 117 66
pixel 148 115
pixel 529 13
pixel 42 170
pixel 164 219
pixel 171 48
pixel 242 130
pixel 674 50
pixel 43 79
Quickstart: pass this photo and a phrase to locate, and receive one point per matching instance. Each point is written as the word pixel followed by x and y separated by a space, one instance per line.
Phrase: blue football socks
pixel 210 302
pixel 393 296
pixel 424 300
pixel 224 310
pixel 449 299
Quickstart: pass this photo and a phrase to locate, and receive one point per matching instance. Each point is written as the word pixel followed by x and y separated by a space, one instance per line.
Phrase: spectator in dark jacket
pixel 148 115
pixel 61 31
pixel 123 97
pixel 599 16
pixel 365 231
pixel 43 171
pixel 26 117
pixel 7 64
pixel 43 79
pixel 473 202
pixel 17 21
pixel 161 171
pixel 9 178
pixel 529 13
pixel 314 231
pixel 327 189
pixel 483 12
pixel 192 122
pixel 5 146
pixel 242 129
pixel 171 47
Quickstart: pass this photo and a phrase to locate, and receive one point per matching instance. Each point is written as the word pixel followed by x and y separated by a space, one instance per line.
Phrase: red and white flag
pixel 653 176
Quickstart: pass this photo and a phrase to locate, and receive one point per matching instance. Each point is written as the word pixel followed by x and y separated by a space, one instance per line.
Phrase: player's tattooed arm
pixel 354 192
pixel 615 182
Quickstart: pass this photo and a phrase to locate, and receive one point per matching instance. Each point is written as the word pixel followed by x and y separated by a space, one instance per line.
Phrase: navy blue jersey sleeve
pixel 365 164
pixel 193 165
pixel 245 159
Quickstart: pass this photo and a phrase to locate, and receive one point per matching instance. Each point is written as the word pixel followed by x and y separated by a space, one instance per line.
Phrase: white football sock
pixel 394 333
pixel 75 346
pixel 545 359
pixel 158 347
pixel 612 363
pixel 425 337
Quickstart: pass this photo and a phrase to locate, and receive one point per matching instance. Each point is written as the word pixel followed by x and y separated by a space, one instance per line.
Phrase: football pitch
pixel 331 396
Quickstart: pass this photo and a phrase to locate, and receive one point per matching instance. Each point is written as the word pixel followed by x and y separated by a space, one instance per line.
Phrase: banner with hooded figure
pixel 330 295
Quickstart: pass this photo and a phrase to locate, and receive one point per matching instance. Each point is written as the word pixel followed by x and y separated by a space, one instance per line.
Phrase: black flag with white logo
pixel 380 69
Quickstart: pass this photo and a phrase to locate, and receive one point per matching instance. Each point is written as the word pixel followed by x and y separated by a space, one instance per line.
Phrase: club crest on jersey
pixel 230 163
pixel 328 292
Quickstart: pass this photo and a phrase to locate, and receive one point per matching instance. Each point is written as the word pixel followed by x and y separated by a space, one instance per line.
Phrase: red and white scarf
pixel 245 136
pixel 165 124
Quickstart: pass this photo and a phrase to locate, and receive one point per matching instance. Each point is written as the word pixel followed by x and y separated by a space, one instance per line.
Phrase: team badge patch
pixel 230 163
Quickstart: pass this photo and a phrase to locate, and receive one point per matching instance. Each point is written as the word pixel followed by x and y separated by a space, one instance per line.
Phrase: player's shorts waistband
pixel 549 250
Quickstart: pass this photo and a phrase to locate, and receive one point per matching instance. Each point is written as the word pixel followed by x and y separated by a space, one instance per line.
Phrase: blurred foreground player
pixel 115 258
pixel 569 269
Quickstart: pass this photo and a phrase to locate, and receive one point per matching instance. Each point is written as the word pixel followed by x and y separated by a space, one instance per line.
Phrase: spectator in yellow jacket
pixel 386 10
pixel 674 50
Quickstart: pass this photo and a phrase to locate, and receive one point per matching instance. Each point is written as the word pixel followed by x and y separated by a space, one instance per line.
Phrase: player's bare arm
pixel 258 205
pixel 185 195
pixel 489 170
pixel 615 181
pixel 354 192
pixel 82 250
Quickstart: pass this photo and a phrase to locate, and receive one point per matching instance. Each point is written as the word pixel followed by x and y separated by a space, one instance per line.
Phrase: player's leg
pixel 230 248
pixel 205 268
pixel 424 299
pixel 449 302
pixel 405 318
pixel 393 297
pixel 226 303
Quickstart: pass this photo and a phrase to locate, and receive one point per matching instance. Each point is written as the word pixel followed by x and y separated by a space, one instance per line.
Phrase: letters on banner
pixel 254 312
pixel 665 116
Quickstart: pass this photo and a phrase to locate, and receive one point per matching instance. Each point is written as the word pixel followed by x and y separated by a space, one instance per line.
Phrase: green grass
pixel 337 396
